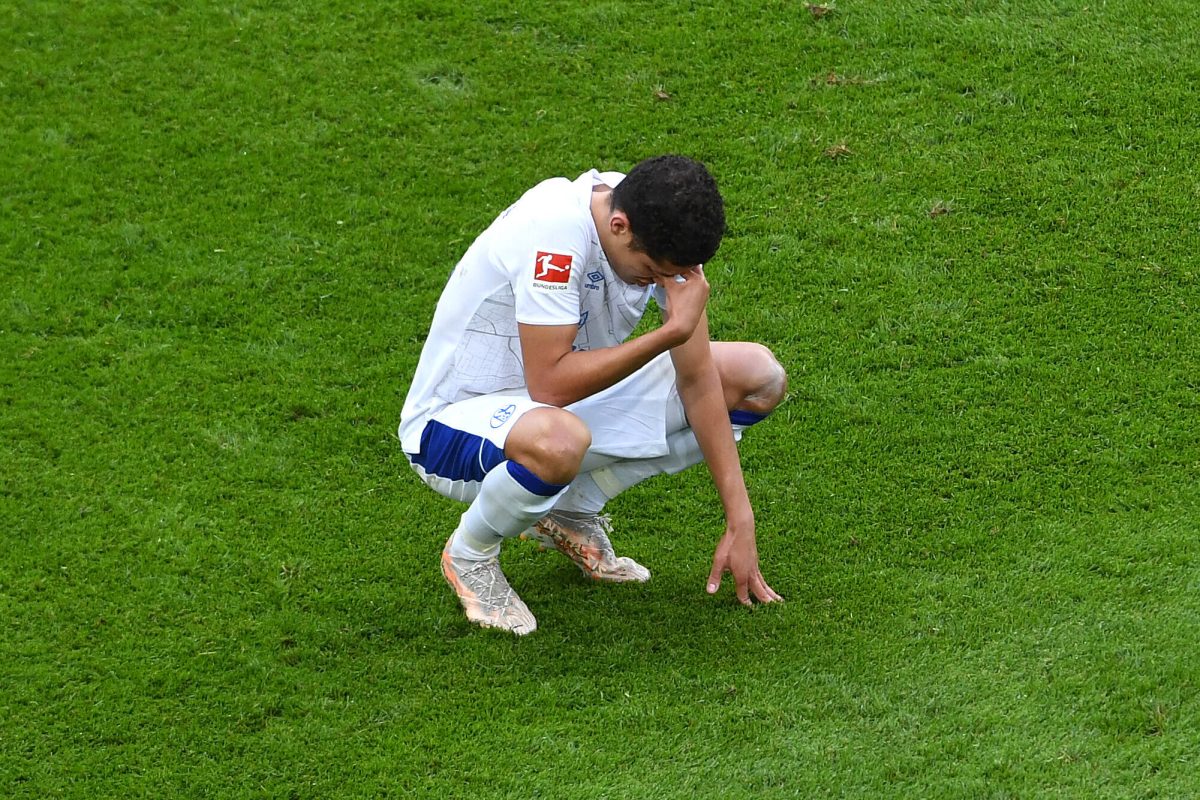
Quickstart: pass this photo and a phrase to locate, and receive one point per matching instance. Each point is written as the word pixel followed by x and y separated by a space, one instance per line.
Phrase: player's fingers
pixel 761 589
pixel 763 592
pixel 715 575
pixel 743 589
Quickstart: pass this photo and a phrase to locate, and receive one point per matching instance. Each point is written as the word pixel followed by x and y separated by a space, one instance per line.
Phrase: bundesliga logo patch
pixel 552 268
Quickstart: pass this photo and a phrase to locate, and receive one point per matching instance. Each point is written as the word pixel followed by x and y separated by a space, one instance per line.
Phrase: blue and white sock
pixel 510 499
pixel 591 491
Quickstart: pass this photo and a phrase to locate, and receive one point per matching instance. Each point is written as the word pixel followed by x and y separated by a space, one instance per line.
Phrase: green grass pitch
pixel 968 228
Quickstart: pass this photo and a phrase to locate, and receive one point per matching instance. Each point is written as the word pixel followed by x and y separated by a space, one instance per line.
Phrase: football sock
pixel 740 420
pixel 583 495
pixel 510 499
pixel 589 492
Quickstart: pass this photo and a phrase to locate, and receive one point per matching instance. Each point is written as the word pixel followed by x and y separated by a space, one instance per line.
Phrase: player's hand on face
pixel 737 553
pixel 687 294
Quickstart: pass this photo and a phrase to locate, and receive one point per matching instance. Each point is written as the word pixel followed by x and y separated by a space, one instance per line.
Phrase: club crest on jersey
pixel 503 414
pixel 552 270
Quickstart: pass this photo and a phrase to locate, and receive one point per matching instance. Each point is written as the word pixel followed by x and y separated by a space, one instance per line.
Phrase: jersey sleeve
pixel 544 259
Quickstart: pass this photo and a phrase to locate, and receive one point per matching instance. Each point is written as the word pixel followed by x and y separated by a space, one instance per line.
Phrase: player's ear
pixel 618 223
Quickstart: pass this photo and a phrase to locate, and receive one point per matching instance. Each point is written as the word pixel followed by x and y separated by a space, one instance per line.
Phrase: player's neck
pixel 601 214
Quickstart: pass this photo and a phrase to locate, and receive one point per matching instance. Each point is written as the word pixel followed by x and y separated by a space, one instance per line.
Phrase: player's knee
pixel 754 379
pixel 562 451
pixel 769 384
pixel 551 443
pixel 559 452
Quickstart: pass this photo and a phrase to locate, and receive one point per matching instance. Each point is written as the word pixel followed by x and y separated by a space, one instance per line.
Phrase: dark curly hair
pixel 674 208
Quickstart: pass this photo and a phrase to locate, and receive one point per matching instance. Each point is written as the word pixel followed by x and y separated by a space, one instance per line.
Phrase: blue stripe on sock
pixel 532 482
pixel 745 418
pixel 456 455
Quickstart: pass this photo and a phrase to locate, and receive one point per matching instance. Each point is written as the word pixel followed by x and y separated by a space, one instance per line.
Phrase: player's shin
pixel 592 490
pixel 510 499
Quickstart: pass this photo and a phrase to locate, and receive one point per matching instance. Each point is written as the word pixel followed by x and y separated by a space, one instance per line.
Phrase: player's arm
pixel 700 389
pixel 559 376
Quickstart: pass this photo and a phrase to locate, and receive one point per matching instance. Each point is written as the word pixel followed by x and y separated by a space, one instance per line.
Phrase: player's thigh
pixel 631 419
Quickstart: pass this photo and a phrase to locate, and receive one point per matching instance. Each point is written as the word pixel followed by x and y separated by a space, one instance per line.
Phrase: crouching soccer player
pixel 531 404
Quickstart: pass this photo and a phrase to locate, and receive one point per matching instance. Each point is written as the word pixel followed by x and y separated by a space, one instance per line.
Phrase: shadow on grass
pixel 587 627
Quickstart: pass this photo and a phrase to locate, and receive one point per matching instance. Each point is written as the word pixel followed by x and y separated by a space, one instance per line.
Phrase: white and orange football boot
pixel 583 538
pixel 486 595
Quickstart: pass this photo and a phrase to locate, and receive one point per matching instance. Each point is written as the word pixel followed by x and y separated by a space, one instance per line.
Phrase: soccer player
pixel 531 402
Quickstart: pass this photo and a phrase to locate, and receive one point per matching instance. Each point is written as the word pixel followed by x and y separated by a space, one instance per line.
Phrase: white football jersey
pixel 539 263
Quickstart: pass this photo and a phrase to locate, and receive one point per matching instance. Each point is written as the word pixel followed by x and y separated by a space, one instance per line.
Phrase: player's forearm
pixel 704 403
pixel 582 373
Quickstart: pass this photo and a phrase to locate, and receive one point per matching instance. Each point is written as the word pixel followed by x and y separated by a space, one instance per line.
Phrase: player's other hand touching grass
pixel 737 553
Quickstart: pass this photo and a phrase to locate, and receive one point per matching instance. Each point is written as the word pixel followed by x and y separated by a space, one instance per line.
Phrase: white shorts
pixel 464 441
